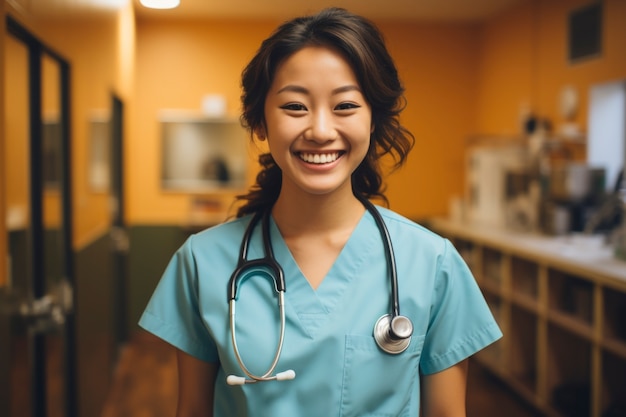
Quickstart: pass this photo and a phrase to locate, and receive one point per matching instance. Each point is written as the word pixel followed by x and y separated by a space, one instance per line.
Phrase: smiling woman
pixel 325 95
pixel 317 123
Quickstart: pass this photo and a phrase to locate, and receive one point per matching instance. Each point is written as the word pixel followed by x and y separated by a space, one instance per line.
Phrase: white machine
pixel 485 188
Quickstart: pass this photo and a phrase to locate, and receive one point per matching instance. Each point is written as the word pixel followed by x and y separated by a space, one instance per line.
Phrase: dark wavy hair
pixel 362 45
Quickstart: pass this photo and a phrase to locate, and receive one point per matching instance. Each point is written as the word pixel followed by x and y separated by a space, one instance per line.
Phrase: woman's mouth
pixel 318 158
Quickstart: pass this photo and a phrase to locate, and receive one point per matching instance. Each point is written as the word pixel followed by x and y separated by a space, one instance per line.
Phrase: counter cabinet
pixel 563 319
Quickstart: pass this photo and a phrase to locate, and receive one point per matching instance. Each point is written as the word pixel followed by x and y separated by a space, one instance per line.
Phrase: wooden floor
pixel 145 386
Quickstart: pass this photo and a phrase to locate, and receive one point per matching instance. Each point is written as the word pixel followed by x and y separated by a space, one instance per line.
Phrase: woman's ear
pixel 372 129
pixel 260 133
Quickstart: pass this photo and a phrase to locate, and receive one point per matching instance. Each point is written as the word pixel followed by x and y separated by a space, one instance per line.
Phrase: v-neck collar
pixel 313 306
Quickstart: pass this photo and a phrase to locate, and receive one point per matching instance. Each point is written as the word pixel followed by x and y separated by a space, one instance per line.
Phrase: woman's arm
pixel 196 383
pixel 443 393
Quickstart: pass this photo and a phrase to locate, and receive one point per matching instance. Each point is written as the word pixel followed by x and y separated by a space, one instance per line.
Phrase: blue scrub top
pixel 329 343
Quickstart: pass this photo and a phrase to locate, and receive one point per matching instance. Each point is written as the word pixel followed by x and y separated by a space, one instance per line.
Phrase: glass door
pixel 37 321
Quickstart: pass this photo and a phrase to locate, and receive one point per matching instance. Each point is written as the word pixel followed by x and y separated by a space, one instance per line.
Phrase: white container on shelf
pixel 214 105
pixel 485 188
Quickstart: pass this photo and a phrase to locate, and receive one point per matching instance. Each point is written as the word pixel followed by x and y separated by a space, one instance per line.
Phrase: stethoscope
pixel 392 332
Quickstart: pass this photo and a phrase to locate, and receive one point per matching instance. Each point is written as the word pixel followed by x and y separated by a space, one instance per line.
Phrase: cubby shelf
pixel 563 317
pixel 526 303
pixel 616 347
pixel 490 287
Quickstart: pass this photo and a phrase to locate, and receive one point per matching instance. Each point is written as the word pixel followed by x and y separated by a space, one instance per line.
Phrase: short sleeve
pixel 173 312
pixel 461 322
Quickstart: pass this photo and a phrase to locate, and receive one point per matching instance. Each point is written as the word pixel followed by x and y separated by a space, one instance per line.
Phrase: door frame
pixel 36 48
pixel 119 231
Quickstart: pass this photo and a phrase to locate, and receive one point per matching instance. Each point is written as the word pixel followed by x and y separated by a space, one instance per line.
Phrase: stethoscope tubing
pixel 266 376
pixel 268 260
pixel 278 276
pixel 389 254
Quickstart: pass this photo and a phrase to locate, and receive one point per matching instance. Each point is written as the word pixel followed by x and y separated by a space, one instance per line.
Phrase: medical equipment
pixel 392 332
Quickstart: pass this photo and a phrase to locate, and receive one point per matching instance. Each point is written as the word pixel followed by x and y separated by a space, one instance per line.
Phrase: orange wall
pixel 15 129
pixel 3 227
pixel 94 58
pixel 178 63
pixel 505 82
pixel 461 80
pixel 437 65
pixel 523 61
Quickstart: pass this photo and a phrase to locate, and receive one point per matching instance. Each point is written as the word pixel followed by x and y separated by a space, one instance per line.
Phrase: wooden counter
pixel 561 303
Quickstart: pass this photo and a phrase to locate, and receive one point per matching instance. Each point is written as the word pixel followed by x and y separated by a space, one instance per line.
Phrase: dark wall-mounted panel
pixel 585 32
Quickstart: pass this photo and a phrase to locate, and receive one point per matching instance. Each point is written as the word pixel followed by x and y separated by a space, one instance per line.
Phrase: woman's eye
pixel 293 107
pixel 347 106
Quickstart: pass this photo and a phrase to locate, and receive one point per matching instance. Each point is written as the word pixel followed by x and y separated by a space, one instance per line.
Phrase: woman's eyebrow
pixel 293 88
pixel 299 89
pixel 346 88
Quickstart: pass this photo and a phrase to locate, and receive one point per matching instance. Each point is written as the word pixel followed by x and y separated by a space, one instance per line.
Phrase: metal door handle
pixel 42 315
pixel 120 240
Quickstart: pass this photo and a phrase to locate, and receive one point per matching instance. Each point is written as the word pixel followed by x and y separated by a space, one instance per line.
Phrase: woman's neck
pixel 304 214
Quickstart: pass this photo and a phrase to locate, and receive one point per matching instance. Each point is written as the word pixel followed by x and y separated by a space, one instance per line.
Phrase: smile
pixel 318 158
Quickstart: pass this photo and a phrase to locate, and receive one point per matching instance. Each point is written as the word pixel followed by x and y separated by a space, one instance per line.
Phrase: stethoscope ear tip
pixel 235 380
pixel 280 376
pixel 286 375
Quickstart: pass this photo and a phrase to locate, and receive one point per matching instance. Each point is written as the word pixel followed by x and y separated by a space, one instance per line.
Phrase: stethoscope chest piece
pixel 393 335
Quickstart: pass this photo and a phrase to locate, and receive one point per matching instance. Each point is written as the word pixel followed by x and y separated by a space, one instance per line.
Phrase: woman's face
pixel 317 122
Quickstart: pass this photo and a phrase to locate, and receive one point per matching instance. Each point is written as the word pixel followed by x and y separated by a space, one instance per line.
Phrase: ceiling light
pixel 160 4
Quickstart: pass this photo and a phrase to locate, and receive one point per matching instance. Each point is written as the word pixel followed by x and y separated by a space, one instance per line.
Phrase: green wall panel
pixel 151 248
pixel 95 326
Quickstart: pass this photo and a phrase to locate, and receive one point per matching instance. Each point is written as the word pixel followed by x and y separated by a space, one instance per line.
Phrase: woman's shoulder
pixel 411 232
pixel 222 233
pixel 394 219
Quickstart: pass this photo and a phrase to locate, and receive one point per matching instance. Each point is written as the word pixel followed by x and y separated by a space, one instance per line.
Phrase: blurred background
pixel 120 137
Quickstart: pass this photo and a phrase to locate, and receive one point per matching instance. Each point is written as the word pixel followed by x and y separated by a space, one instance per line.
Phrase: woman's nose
pixel 322 128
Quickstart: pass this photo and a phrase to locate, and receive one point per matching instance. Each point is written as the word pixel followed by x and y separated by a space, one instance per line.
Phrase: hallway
pixel 145 386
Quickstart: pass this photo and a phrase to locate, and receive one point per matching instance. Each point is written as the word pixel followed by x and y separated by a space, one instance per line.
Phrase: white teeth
pixel 317 158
